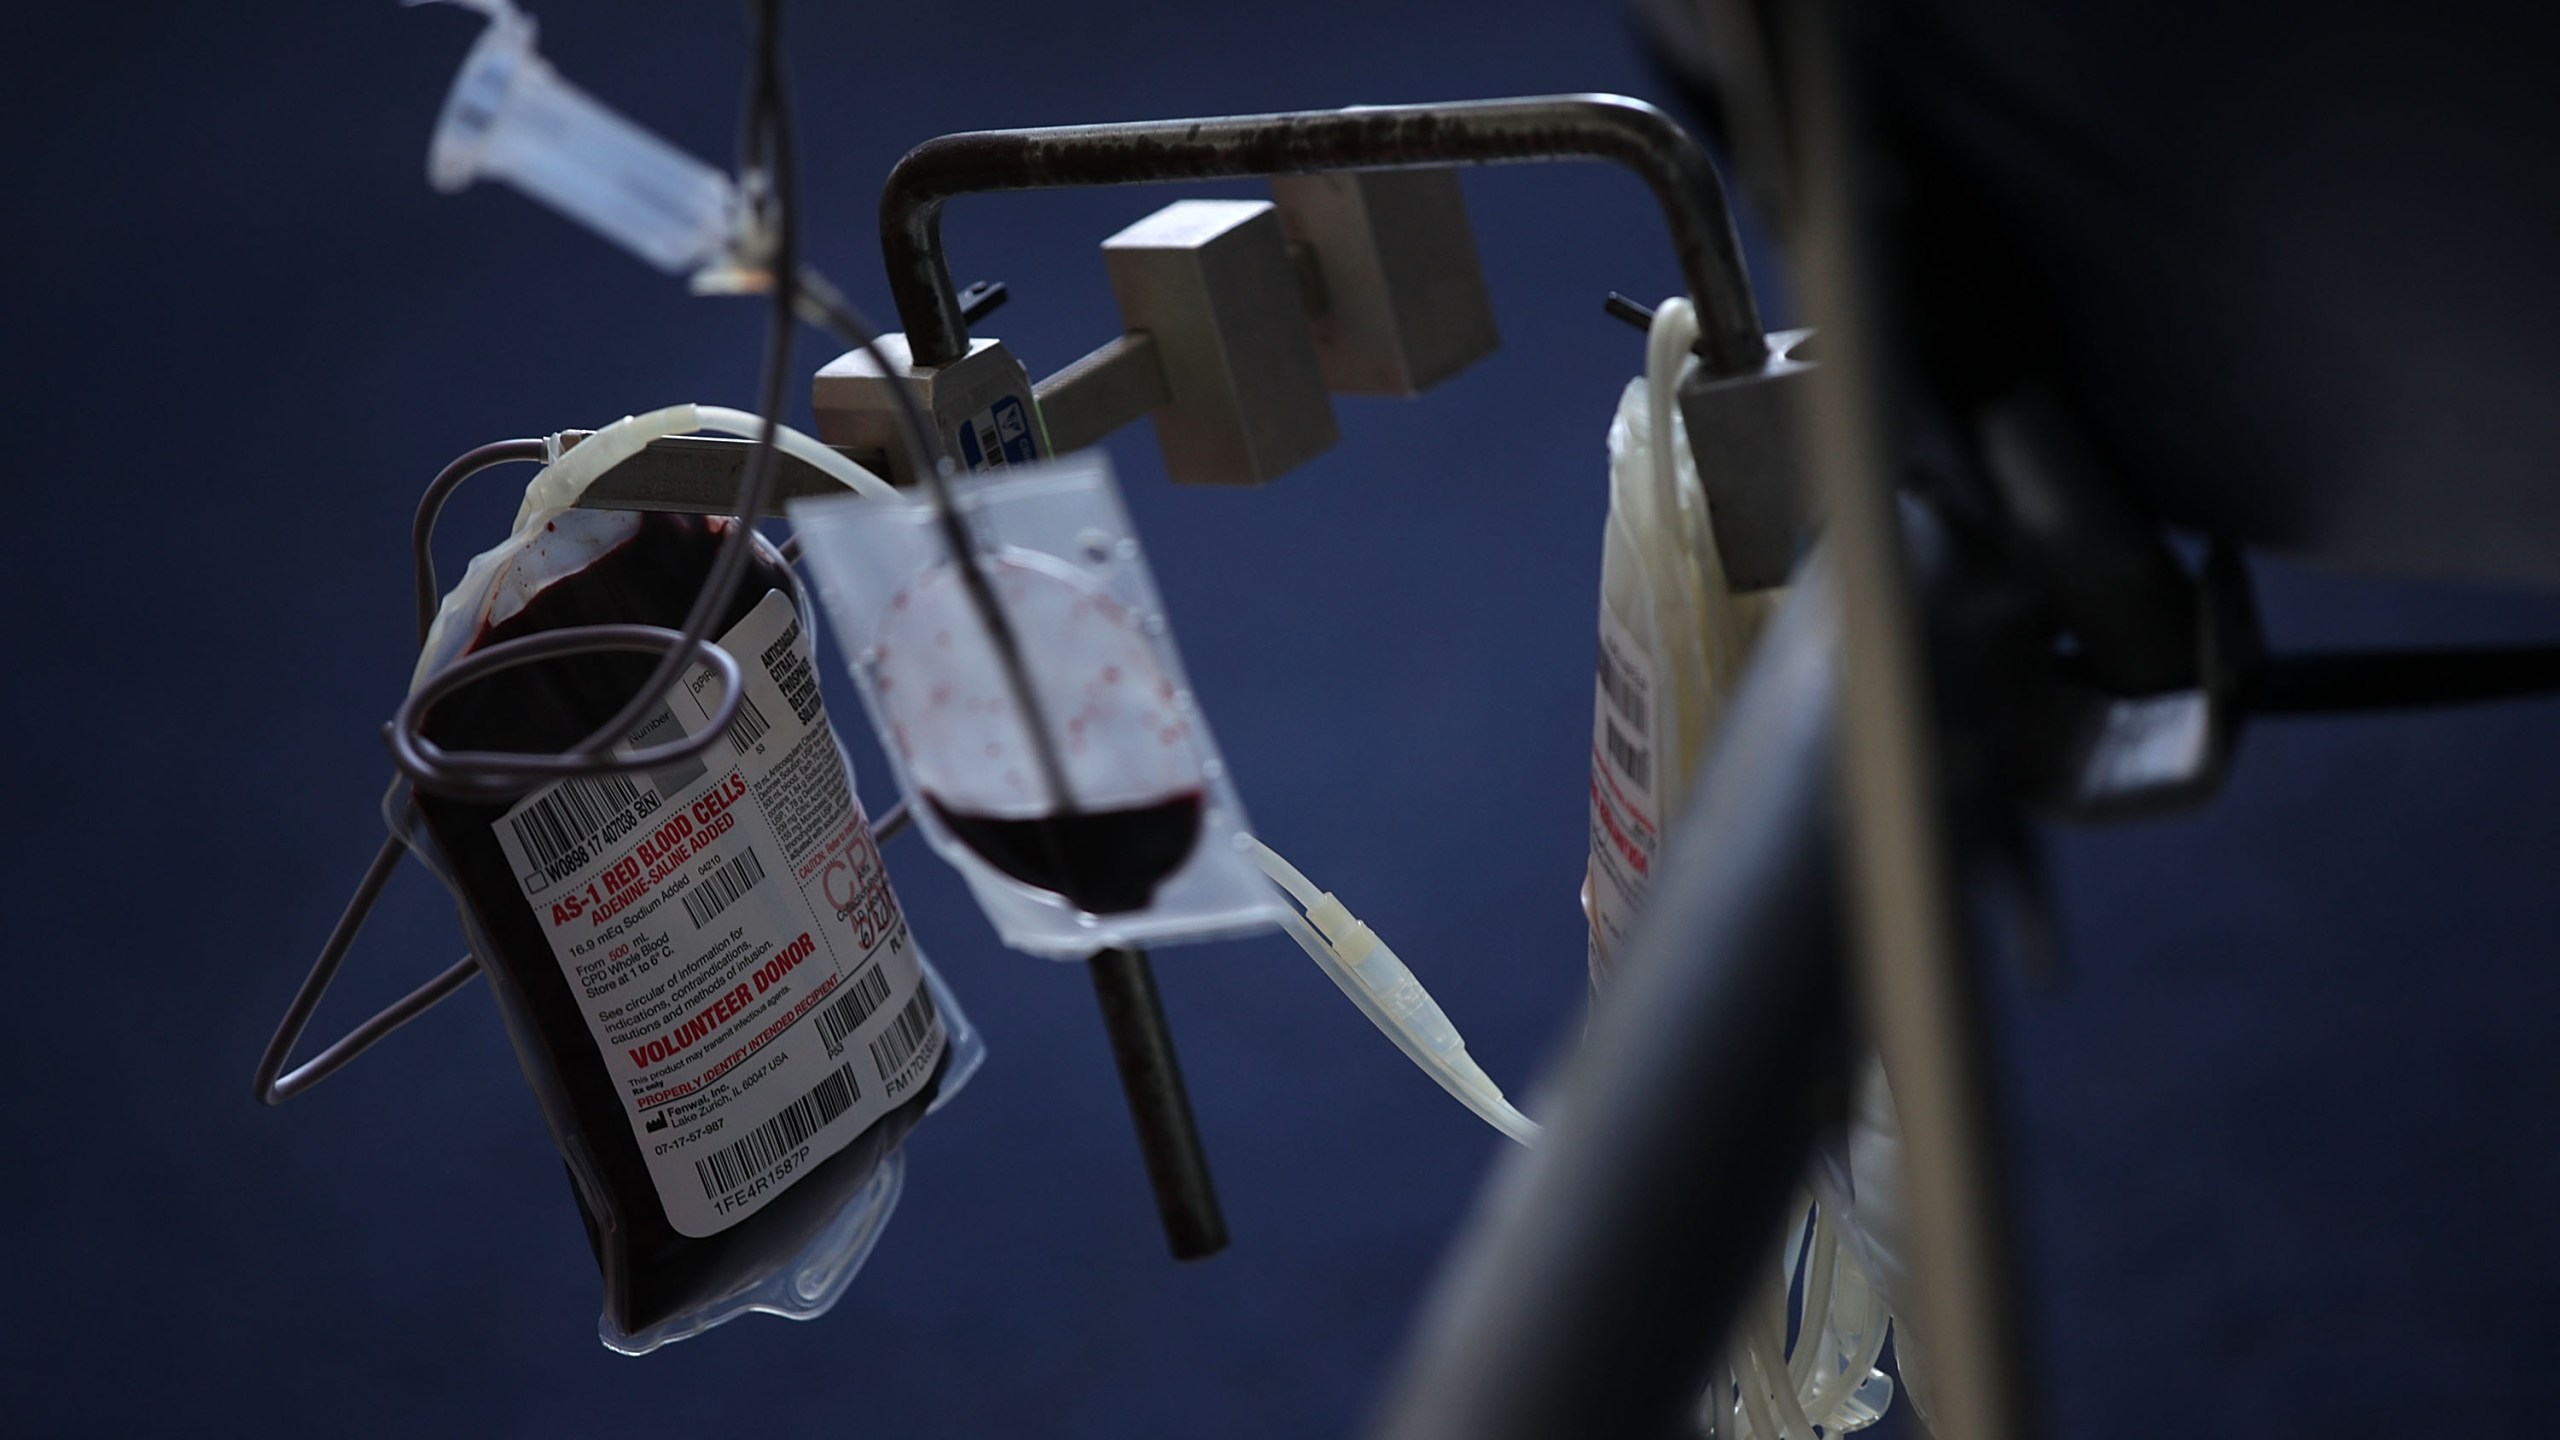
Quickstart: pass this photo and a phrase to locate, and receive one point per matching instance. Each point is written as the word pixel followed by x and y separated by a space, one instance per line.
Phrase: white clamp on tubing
pixel 1386 992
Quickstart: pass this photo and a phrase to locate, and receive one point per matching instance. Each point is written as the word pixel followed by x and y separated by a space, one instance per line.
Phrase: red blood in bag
pixel 1107 862
pixel 651 1272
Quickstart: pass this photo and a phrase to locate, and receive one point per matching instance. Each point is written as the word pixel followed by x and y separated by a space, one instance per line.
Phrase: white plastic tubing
pixel 557 488
pixel 1387 992
pixel 1666 353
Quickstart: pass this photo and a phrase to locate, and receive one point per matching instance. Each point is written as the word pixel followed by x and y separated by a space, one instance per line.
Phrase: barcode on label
pixel 904 1034
pixel 1625 693
pixel 749 727
pixel 705 901
pixel 769 1142
pixel 562 820
pixel 1633 760
pixel 845 1014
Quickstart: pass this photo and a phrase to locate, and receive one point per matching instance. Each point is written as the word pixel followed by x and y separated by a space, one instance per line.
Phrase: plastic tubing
pixel 1385 990
pixel 1768 1352
pixel 800 447
pixel 1666 355
pixel 1834 1393
pixel 1854 1358
pixel 1849 1351
pixel 1667 342
pixel 1754 1396
pixel 1482 1098
pixel 1814 1385
pixel 1817 1306
pixel 558 487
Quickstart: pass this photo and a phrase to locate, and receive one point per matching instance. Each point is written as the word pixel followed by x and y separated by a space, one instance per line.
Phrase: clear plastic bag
pixel 1153 848
pixel 1673 638
pixel 706 977
pixel 1858 1177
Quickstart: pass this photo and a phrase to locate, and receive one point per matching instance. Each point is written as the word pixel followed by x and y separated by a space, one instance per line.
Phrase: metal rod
pixel 1603 1266
pixel 1622 307
pixel 1381 137
pixel 273 1084
pixel 1105 390
pixel 1916 987
pixel 1159 1106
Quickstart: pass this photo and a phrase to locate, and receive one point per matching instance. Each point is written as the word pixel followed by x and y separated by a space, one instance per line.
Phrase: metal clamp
pixel 1214 287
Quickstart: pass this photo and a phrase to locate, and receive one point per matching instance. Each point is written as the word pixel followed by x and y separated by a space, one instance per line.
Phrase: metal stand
pixel 1159 1106
pixel 1370 137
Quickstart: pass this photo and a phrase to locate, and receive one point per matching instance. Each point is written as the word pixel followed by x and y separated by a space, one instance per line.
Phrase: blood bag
pixel 1149 843
pixel 705 974
pixel 1673 642
pixel 1673 639
pixel 1136 779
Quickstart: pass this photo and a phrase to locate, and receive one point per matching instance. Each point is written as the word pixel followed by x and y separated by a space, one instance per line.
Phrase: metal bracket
pixel 1376 270
pixel 1314 142
pixel 980 402
pixel 2111 757
pixel 1212 282
pixel 1395 297
pixel 1387 276
pixel 1742 432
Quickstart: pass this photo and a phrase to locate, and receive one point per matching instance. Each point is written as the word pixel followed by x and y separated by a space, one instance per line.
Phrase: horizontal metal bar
pixel 1105 390
pixel 699 475
pixel 1380 137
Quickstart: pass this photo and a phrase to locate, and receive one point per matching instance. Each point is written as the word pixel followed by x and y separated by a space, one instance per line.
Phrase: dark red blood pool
pixel 1106 862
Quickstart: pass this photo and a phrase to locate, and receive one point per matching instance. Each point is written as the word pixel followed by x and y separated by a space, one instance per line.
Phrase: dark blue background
pixel 2285 1128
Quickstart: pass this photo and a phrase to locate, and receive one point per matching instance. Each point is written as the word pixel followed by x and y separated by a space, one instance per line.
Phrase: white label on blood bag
pixel 1626 809
pixel 731 937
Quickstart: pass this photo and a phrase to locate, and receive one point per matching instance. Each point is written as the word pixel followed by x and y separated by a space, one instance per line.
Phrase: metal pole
pixel 1914 981
pixel 1159 1106
pixel 1380 137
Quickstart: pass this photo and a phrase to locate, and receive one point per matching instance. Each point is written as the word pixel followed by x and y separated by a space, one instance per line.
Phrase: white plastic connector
pixel 511 117
pixel 1387 992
